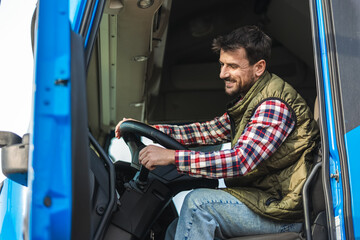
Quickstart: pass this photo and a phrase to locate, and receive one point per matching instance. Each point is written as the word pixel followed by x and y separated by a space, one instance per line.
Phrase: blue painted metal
pixel 50 160
pixel 91 22
pixel 334 160
pixel 352 150
pixel 76 12
pixel 12 210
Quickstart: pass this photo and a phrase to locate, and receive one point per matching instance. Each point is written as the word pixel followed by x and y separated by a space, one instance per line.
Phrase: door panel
pixel 338 28
pixel 346 29
pixel 50 176
pixel 59 206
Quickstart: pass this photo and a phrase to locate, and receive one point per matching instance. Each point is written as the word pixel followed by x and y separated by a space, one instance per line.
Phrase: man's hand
pixel 117 128
pixel 152 156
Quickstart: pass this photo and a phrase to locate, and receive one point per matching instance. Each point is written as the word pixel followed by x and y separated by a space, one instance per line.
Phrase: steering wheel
pixel 133 130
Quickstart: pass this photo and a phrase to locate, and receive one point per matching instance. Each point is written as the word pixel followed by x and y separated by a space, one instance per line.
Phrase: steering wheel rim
pixel 141 129
pixel 131 131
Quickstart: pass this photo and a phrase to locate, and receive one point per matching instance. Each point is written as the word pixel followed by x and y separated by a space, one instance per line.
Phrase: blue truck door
pixel 59 195
pixel 344 39
pixel 336 30
pixel 50 198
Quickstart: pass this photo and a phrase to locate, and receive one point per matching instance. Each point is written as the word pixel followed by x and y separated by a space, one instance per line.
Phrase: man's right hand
pixel 117 128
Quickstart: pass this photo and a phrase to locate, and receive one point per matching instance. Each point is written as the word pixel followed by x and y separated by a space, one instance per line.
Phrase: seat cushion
pixel 275 236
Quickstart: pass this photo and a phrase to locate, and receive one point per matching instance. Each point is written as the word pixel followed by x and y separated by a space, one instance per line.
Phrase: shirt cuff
pixel 183 161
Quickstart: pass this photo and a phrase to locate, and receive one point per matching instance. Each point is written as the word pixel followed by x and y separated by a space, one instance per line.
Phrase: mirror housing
pixel 14 156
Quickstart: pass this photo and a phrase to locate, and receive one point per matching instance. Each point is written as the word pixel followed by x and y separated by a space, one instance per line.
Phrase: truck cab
pixel 98 61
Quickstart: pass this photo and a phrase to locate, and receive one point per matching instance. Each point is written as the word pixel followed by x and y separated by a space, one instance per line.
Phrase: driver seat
pixel 274 236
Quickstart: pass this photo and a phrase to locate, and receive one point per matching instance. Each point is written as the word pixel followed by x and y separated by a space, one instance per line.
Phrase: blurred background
pixel 16 66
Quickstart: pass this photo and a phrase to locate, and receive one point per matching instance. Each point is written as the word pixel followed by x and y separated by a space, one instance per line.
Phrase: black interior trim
pixel 81 206
pixel 307 198
pixel 94 31
pixel 109 209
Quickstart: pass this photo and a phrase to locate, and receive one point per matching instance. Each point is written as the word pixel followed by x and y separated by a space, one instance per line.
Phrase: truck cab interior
pixel 151 60
pixel 156 65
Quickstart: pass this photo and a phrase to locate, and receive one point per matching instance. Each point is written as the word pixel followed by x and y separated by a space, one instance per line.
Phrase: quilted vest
pixel 274 188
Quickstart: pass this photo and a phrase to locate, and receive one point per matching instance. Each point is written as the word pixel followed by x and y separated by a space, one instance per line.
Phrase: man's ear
pixel 260 67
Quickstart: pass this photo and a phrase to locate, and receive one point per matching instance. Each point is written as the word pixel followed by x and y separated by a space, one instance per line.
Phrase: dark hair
pixel 256 43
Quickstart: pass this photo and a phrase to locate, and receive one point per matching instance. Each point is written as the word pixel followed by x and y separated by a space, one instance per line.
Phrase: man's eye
pixel 233 66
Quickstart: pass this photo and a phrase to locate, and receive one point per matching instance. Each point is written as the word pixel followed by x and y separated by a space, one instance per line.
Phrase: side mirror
pixel 14 156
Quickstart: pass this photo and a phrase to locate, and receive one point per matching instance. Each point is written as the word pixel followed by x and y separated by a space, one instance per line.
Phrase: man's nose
pixel 224 73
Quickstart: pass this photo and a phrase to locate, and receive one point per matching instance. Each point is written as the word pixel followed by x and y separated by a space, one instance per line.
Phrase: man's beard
pixel 239 91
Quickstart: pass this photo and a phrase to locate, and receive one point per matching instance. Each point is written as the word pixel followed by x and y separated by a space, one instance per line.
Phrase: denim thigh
pixel 210 213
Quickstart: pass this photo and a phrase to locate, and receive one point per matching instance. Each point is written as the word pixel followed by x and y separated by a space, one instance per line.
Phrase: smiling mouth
pixel 228 82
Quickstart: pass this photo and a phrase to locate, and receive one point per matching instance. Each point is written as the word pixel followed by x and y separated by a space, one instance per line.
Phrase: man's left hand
pixel 152 156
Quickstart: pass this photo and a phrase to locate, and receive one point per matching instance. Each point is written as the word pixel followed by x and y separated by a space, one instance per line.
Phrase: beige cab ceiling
pixel 119 66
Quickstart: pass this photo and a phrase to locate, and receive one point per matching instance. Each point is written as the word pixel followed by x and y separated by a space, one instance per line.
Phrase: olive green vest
pixel 274 188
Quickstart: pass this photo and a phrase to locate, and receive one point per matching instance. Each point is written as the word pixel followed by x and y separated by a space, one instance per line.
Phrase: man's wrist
pixel 172 157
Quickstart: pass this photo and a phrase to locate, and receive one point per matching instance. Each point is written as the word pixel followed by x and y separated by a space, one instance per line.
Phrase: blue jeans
pixel 210 214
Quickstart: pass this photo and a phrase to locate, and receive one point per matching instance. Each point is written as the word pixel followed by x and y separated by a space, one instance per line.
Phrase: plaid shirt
pixel 268 128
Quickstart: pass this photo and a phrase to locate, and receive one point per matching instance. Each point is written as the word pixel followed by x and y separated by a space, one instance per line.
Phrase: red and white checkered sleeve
pixel 268 128
pixel 207 133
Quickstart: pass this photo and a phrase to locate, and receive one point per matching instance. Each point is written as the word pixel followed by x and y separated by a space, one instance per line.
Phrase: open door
pixel 336 47
pixel 59 200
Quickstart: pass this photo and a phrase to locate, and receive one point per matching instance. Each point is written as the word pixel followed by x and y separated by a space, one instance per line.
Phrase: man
pixel 272 134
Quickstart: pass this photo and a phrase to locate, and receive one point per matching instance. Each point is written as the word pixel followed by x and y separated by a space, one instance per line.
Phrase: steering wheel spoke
pixel 132 132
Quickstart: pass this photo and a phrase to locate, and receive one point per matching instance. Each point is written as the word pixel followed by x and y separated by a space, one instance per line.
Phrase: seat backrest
pixel 316 193
pixel 316 190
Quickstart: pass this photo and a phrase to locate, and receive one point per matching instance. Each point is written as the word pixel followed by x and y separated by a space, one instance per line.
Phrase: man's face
pixel 236 72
